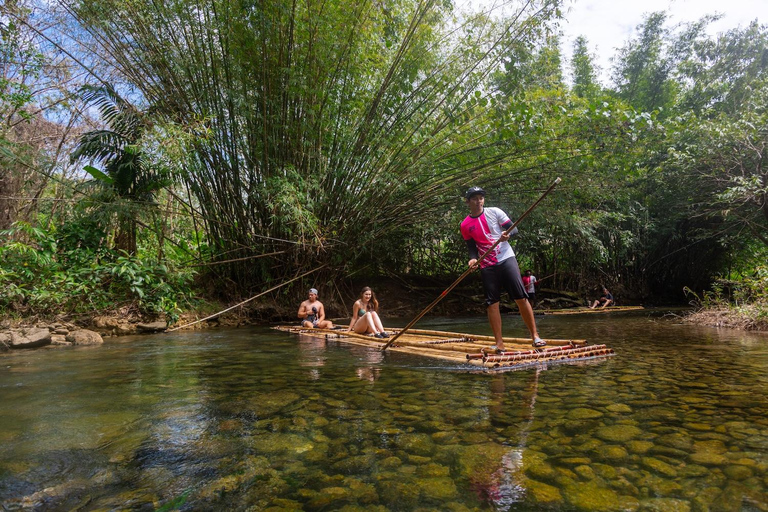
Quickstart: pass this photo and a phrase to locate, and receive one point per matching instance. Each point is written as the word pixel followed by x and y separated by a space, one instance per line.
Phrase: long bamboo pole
pixel 470 269
pixel 245 301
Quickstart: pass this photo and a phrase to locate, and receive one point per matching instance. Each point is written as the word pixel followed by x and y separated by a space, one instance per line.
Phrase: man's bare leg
pixel 494 318
pixel 526 313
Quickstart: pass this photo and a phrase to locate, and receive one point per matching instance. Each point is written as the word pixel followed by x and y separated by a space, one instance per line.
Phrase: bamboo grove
pixel 249 141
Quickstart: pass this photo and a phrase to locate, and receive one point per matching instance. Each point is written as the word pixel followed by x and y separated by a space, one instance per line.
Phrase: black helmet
pixel 472 191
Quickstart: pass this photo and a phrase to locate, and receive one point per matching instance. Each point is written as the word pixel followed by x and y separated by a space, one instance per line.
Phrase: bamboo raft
pixel 468 349
pixel 584 309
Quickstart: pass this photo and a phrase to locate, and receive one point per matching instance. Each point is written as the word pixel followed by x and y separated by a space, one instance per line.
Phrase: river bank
pixel 399 298
pixel 745 317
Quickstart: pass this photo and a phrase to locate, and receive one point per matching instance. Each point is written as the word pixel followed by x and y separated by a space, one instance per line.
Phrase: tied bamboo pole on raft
pixel 470 269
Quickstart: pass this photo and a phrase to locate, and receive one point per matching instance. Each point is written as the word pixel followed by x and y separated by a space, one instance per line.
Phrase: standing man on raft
pixel 482 227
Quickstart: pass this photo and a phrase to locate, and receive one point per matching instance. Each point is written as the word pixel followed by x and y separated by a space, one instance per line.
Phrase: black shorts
pixel 502 276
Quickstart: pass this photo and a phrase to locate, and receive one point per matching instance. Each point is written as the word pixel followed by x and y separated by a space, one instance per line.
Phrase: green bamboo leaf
pixel 97 174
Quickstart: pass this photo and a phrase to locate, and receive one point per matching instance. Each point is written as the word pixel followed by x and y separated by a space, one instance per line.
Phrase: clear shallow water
pixel 255 419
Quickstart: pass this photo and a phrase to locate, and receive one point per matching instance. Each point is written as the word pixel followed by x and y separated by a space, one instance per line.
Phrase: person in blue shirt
pixel 604 301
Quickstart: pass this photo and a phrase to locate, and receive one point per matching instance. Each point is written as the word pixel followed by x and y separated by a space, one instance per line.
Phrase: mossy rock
pixel 360 491
pixel 359 464
pixel 434 470
pixel 539 470
pixel 678 441
pixel 328 498
pixel 639 447
pixel 590 497
pixel 444 437
pixel 660 467
pixel 391 462
pixel 438 488
pixel 286 443
pixel 618 433
pixel 613 452
pixel 543 494
pixel 478 463
pixel 583 413
pixel 735 472
pixel 665 505
pixel 398 495
pixel 417 444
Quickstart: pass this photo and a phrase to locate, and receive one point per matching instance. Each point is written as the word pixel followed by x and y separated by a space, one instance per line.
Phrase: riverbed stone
pixel 735 472
pixel 434 470
pixel 678 440
pixel 543 494
pixel 583 413
pixel 360 491
pixel 357 465
pixel 328 498
pixel 437 488
pixel 618 433
pixel 539 470
pixel 32 337
pixel 589 496
pixel 398 495
pixel 709 453
pixel 665 505
pixel 619 408
pixel 639 447
pixel 391 462
pixel 84 337
pixel 418 444
pixel 659 466
pixel 585 472
pixel 284 505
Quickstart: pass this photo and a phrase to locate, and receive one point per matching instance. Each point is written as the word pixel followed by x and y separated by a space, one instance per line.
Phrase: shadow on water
pixel 258 419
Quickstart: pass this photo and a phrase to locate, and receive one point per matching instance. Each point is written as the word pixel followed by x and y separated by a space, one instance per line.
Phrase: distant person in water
pixel 605 300
pixel 499 270
pixel 313 313
pixel 365 315
pixel 529 281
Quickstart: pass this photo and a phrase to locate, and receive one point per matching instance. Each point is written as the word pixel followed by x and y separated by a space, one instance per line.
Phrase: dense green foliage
pixel 263 139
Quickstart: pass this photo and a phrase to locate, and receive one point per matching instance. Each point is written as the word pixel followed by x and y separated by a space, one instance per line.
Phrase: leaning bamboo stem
pixel 245 301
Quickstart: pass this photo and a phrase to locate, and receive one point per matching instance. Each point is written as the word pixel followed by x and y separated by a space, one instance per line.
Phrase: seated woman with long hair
pixel 365 316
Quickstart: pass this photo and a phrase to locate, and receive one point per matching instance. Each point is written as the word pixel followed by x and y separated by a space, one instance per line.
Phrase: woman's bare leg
pixel 363 325
pixel 376 321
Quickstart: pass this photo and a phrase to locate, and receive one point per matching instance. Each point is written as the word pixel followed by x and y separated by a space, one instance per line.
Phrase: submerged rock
pixel 618 433
pixel 544 494
pixel 582 413
pixel 659 466
pixel 589 496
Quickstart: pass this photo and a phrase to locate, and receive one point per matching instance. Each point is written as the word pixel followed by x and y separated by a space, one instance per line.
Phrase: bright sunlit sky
pixel 609 24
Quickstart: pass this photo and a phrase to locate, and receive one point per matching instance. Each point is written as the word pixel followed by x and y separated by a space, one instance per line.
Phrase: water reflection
pixel 254 419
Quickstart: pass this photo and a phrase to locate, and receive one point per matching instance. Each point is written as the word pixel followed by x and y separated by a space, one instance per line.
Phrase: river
pixel 256 419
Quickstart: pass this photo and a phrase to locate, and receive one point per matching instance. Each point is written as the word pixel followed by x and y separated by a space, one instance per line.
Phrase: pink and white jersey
pixel 485 230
